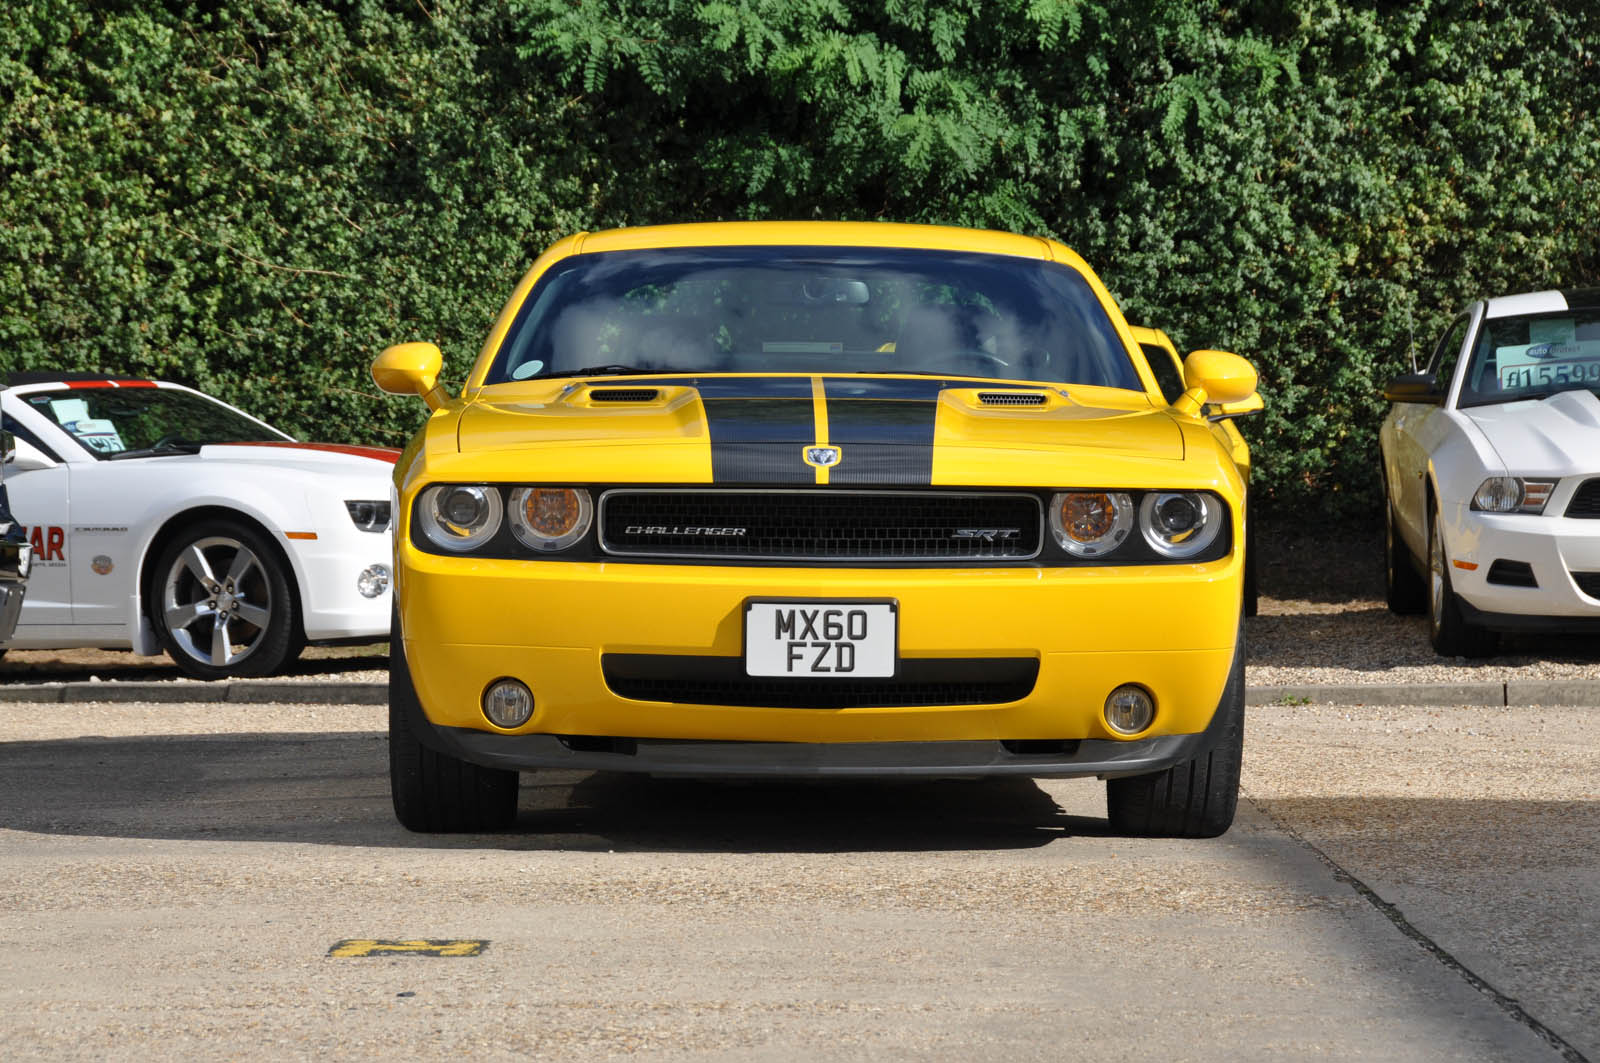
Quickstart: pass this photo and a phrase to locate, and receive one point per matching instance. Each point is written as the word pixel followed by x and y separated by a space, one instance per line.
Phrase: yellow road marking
pixel 375 947
pixel 819 406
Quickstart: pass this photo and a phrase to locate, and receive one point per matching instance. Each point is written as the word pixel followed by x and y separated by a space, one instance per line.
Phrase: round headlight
pixel 1179 523
pixel 1498 494
pixel 459 517
pixel 549 518
pixel 1090 523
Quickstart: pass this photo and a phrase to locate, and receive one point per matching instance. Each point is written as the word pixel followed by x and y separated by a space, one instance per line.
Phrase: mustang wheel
pixel 1451 635
pixel 222 603
pixel 1197 798
pixel 1402 585
pixel 434 792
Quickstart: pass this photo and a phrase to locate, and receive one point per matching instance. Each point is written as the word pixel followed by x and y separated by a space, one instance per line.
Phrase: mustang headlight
pixel 1090 523
pixel 459 517
pixel 1512 494
pixel 1179 524
pixel 549 518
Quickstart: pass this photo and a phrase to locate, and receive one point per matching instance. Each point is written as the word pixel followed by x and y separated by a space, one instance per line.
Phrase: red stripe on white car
pixel 388 454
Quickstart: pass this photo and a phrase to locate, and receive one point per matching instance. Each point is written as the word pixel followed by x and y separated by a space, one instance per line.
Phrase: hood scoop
pixel 624 394
pixel 1012 398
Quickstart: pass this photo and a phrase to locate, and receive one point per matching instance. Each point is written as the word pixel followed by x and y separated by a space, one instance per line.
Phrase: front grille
pixel 722 681
pixel 1011 398
pixel 1586 500
pixel 1588 583
pixel 820 525
pixel 1512 574
pixel 624 394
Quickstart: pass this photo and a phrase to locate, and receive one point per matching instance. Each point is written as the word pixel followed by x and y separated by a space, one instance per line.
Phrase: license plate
pixel 824 639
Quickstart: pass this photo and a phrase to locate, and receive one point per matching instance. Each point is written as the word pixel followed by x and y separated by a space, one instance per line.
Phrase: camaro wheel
pixel 1197 798
pixel 432 791
pixel 1403 588
pixel 1452 636
pixel 222 603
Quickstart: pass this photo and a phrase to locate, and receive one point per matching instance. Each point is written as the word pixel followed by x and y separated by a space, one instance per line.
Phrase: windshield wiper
pixel 166 448
pixel 607 370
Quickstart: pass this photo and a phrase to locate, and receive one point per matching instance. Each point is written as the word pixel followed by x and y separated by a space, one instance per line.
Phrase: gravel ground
pixel 1322 621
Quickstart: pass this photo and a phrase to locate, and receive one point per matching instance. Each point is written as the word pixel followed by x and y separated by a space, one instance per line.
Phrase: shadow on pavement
pixel 1376 640
pixel 333 789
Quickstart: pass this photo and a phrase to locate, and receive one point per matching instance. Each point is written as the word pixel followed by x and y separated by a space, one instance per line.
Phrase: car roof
pixel 1553 301
pixel 28 377
pixel 815 234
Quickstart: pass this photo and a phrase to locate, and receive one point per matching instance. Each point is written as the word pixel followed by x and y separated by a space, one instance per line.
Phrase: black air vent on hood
pixel 1011 398
pixel 624 394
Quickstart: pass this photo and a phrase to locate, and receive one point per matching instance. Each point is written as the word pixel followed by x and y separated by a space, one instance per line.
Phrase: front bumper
pixel 1554 548
pixel 554 625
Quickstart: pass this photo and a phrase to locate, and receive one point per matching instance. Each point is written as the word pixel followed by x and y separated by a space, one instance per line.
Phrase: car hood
pixel 324 456
pixel 886 430
pixel 1559 434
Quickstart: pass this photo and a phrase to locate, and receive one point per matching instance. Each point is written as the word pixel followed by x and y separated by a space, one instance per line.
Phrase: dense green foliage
pixel 255 197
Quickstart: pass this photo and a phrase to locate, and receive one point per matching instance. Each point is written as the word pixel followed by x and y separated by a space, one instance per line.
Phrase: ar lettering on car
pixel 49 544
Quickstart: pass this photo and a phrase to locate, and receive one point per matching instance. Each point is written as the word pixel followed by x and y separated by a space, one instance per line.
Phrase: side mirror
pixel 1414 387
pixel 1242 408
pixel 23 456
pixel 411 369
pixel 1215 376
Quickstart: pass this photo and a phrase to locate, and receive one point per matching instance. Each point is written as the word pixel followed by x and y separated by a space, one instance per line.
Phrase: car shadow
pixel 332 789
pixel 1375 640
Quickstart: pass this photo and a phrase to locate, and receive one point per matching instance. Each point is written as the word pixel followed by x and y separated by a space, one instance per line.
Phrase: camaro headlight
pixel 1090 523
pixel 1512 494
pixel 549 518
pixel 369 516
pixel 1179 524
pixel 459 517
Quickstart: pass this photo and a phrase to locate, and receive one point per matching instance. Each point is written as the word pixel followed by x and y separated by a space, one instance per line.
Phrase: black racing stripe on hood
pixel 759 426
pixel 883 429
pixel 760 440
pixel 760 387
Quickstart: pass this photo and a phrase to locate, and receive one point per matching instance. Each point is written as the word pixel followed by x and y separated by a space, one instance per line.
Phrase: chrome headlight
pixel 550 518
pixel 1090 523
pixel 1179 524
pixel 1512 494
pixel 459 517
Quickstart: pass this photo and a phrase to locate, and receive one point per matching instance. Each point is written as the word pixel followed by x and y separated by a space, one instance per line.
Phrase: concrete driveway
pixel 1402 884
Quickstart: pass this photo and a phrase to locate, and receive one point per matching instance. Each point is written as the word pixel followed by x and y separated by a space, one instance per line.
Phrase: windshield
pixel 814 310
pixel 125 422
pixel 1532 357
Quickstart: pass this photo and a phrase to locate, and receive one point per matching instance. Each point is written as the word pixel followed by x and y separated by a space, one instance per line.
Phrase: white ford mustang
pixel 1491 470
pixel 161 518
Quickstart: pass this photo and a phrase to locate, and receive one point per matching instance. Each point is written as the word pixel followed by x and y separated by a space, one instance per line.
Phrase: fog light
pixel 373 581
pixel 508 703
pixel 1129 709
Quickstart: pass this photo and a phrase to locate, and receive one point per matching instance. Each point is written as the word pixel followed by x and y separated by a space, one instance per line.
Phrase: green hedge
pixel 255 197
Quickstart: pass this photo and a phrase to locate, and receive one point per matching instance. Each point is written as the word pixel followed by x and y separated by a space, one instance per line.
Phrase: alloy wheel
pixel 217 601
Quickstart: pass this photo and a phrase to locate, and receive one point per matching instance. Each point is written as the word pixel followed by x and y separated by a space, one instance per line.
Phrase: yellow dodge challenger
pixel 816 500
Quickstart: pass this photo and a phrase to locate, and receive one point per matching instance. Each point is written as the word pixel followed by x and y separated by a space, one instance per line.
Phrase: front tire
pixel 222 603
pixel 433 792
pixel 1196 798
pixel 1449 632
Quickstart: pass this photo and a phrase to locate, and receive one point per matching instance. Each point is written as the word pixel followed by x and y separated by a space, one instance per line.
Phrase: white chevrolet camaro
pixel 1491 474
pixel 162 519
